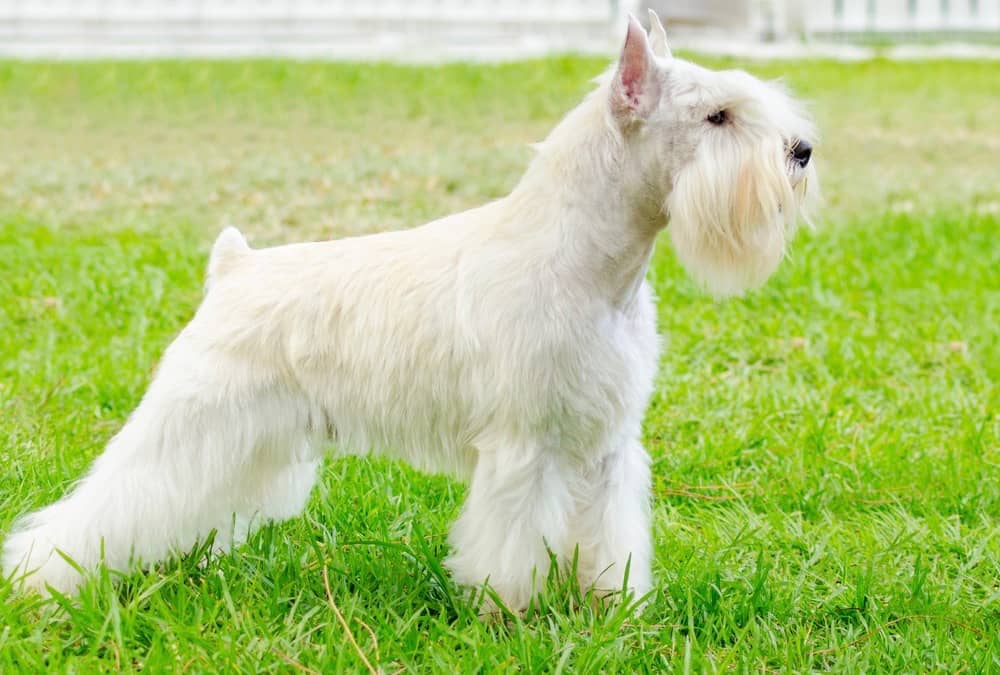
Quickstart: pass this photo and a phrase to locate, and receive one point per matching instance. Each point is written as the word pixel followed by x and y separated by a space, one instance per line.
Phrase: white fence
pixel 905 17
pixel 408 29
pixel 436 29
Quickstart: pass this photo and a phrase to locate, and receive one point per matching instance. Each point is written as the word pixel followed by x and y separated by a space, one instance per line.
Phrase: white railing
pixel 902 17
pixel 408 29
pixel 435 29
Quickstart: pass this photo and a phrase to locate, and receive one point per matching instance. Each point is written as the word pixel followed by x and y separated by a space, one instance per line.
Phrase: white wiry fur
pixel 513 345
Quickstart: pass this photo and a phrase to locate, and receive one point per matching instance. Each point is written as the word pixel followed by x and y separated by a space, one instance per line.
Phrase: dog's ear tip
pixel 634 28
pixel 634 89
pixel 636 41
pixel 657 36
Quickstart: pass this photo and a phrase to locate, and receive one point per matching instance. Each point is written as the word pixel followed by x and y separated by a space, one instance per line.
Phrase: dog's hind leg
pixel 612 523
pixel 274 487
pixel 166 479
pixel 517 511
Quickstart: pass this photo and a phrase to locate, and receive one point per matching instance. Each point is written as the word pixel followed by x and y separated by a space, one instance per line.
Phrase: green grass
pixel 827 450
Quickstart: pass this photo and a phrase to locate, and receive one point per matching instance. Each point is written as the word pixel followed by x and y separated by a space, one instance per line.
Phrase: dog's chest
pixel 577 376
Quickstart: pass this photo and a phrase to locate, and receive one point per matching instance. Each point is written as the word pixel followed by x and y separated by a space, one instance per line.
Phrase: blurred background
pixel 275 113
pixel 482 29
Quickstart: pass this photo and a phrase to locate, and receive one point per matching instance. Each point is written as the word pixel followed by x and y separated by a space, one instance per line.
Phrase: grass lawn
pixel 827 449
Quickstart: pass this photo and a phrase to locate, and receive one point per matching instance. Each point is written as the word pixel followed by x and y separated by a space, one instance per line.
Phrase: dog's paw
pixel 32 564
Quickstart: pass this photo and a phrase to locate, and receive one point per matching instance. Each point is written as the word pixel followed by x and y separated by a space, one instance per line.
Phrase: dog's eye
pixel 718 118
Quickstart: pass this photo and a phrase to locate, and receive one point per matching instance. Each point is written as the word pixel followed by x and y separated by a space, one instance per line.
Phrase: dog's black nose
pixel 801 152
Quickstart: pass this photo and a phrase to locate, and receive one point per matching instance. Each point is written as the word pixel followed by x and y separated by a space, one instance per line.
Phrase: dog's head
pixel 726 154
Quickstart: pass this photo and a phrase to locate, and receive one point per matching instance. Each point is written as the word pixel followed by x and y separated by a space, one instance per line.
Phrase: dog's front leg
pixel 612 523
pixel 517 510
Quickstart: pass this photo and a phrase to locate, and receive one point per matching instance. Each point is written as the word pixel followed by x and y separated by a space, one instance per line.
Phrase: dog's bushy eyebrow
pixel 744 93
pixel 734 92
pixel 734 103
pixel 713 99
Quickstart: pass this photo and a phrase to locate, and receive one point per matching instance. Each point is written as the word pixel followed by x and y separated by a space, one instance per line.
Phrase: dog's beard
pixel 732 210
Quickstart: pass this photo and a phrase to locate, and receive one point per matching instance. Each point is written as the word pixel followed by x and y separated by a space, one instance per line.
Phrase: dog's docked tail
pixel 226 253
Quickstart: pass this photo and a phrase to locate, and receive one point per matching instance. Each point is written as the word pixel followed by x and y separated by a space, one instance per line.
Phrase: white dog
pixel 514 345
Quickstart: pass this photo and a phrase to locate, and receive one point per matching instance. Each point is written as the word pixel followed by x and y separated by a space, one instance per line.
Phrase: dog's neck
pixel 578 189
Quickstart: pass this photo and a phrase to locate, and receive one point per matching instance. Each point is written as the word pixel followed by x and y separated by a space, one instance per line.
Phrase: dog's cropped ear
pixel 658 37
pixel 635 89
